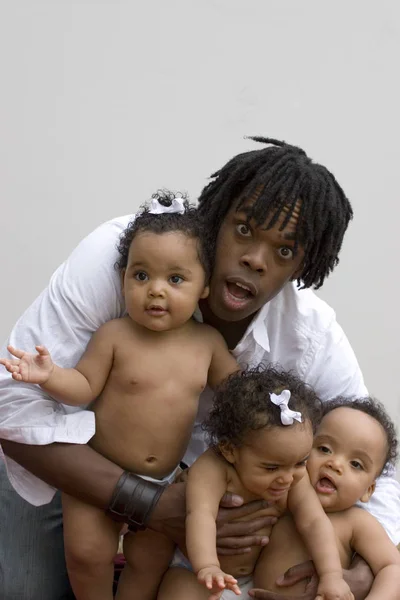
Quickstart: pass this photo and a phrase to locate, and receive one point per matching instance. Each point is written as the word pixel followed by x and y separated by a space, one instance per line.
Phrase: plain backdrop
pixel 103 102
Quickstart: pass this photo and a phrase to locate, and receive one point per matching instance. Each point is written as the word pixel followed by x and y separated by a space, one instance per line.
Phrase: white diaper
pixel 164 480
pixel 245 583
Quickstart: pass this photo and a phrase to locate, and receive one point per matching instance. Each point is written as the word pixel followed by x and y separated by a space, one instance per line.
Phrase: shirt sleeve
pixel 334 371
pixel 83 294
pixel 331 367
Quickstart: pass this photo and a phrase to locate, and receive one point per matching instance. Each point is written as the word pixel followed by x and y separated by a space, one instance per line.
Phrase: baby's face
pixel 348 454
pixel 163 280
pixel 272 459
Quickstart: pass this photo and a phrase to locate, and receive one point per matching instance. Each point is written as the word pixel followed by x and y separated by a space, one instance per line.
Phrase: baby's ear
pixel 368 492
pixel 122 276
pixel 228 451
pixel 206 292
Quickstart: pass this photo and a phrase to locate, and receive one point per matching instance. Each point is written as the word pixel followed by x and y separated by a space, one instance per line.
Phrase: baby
pixel 353 443
pixel 145 372
pixel 259 449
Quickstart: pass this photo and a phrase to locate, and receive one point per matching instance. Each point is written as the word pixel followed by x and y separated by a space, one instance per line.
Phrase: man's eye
pixel 270 468
pixel 286 253
pixel 176 279
pixel 243 229
pixel 356 464
pixel 141 276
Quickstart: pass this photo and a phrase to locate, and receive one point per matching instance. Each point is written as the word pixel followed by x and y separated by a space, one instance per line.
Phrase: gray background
pixel 103 102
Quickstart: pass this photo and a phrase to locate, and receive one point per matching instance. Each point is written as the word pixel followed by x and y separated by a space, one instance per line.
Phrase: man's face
pixel 252 264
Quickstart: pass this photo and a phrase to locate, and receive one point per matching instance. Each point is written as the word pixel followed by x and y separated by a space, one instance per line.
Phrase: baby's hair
pixel 277 177
pixel 189 223
pixel 376 410
pixel 242 403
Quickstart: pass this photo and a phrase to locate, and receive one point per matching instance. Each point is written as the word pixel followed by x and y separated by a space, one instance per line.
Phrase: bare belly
pixel 243 564
pixel 146 434
pixel 285 549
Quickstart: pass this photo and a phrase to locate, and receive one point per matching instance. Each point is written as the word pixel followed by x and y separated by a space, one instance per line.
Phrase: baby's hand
pixel 333 587
pixel 27 367
pixel 216 581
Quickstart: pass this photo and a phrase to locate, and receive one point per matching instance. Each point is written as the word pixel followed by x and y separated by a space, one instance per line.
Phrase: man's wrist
pixel 133 500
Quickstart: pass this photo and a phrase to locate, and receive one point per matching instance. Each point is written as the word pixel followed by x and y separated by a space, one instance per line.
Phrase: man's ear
pixel 368 492
pixel 228 451
pixel 298 273
pixel 206 292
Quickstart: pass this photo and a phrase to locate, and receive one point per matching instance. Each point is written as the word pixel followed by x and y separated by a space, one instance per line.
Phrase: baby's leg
pixel 91 542
pixel 148 555
pixel 181 584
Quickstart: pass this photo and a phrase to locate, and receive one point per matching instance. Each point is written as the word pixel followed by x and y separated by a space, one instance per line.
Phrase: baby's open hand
pixel 216 581
pixel 333 587
pixel 27 367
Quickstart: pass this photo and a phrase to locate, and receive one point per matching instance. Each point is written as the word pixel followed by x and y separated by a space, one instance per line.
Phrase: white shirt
pixel 296 329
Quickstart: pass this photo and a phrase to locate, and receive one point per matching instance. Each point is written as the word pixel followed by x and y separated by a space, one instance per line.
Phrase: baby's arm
pixel 222 362
pixel 206 485
pixel 319 537
pixel 70 386
pixel 372 543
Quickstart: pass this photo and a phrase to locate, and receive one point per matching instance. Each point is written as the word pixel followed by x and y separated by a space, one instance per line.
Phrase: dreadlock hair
pixel 242 404
pixel 278 177
pixel 189 223
pixel 376 410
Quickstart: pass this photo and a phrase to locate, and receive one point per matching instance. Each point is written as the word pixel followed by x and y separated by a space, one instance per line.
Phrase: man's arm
pixel 82 295
pixel 73 468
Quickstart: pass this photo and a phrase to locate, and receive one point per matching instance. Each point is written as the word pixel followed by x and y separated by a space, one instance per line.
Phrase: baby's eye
pixel 286 253
pixel 324 449
pixel 270 468
pixel 243 229
pixel 356 464
pixel 141 276
pixel 176 279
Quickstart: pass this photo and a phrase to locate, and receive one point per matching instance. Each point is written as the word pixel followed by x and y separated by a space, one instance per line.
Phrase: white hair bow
pixel 287 415
pixel 176 206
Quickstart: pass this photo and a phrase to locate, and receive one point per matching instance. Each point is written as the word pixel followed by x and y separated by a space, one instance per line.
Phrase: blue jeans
pixel 32 563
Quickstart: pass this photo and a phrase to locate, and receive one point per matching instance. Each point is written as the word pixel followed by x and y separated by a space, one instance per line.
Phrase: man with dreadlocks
pixel 277 220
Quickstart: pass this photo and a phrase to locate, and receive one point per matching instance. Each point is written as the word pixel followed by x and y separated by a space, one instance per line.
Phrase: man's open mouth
pixel 238 292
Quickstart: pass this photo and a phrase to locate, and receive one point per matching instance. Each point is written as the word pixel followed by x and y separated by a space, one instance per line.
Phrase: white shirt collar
pixel 257 328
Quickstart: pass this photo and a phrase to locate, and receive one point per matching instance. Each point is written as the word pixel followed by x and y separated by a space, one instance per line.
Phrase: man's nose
pixel 254 258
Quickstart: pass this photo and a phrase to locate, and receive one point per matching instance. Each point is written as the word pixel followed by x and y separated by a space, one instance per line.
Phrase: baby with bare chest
pixel 261 429
pixel 354 443
pixel 145 373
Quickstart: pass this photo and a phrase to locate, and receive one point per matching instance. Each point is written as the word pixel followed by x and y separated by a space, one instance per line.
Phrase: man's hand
pixel 169 514
pixel 293 575
pixel 359 578
pixel 237 537
pixel 168 517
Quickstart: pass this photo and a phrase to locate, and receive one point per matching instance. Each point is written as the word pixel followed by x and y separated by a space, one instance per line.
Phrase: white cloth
pixel 296 329
pixel 167 480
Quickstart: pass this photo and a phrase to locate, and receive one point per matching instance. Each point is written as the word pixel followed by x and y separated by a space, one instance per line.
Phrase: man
pixel 277 218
